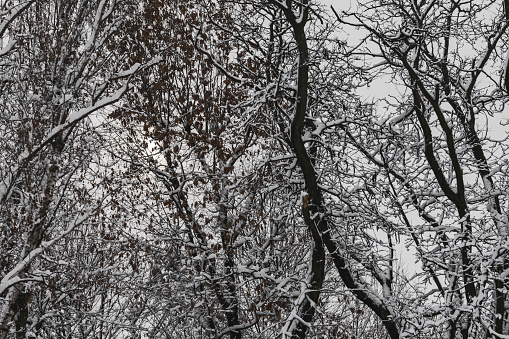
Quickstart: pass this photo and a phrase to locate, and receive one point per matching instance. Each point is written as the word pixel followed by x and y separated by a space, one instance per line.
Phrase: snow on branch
pixel 15 11
pixel 12 278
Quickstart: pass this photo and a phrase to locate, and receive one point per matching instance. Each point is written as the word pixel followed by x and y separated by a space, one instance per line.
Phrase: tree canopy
pixel 254 169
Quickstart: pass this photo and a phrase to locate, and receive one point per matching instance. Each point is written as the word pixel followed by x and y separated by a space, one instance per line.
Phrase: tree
pixel 242 185
pixel 383 182
pixel 205 176
pixel 286 90
pixel 56 73
pixel 434 161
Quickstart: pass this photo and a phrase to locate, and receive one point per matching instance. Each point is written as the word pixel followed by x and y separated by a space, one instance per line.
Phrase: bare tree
pixel 433 164
pixel 56 73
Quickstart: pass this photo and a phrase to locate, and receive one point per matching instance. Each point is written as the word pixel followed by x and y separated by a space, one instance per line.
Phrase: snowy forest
pixel 254 169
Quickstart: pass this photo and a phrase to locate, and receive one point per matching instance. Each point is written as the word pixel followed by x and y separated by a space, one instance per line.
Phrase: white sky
pixel 338 4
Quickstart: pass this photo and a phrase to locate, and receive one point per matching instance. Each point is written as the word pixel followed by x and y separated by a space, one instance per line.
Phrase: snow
pixel 12 278
pixel 506 66
pixel 84 112
pixel 7 47
pixel 14 12
pixel 128 72
pixel 95 27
